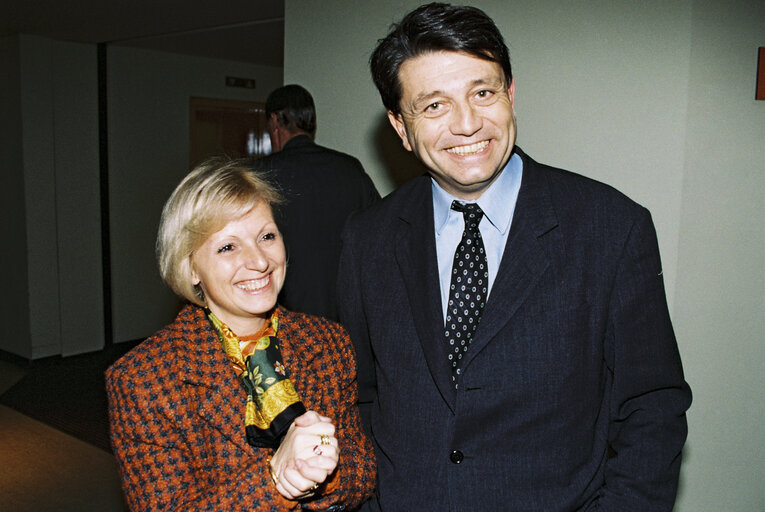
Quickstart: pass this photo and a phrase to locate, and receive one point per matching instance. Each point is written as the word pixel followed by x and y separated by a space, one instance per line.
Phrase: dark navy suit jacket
pixel 321 188
pixel 572 396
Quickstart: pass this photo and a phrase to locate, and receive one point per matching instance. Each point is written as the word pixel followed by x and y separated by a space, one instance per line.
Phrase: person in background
pixel 321 187
pixel 514 344
pixel 238 404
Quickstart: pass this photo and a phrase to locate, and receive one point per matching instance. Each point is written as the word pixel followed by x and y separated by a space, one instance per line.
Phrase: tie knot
pixel 471 212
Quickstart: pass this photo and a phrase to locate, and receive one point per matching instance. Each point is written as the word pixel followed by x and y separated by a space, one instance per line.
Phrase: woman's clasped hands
pixel 307 456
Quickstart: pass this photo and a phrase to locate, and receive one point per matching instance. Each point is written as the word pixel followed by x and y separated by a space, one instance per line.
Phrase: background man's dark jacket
pixel 321 187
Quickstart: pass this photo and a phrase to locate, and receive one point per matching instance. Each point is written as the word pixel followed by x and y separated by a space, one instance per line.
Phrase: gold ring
pixel 324 439
pixel 274 474
pixel 311 490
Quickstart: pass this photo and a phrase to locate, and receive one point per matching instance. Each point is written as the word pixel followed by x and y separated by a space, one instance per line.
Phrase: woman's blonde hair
pixel 213 194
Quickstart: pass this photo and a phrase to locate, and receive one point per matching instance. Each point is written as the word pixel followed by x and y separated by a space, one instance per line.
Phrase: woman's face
pixel 241 269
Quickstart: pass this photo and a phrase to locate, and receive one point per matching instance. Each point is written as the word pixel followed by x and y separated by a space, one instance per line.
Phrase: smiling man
pixel 514 346
pixel 456 114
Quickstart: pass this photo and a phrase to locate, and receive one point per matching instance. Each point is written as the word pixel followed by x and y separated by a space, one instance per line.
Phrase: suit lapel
pixel 524 260
pixel 416 258
pixel 218 397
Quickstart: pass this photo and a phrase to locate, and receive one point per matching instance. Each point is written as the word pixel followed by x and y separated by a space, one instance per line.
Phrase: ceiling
pixel 242 30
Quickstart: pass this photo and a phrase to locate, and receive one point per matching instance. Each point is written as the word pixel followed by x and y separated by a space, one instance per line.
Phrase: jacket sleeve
pixel 354 480
pixel 160 464
pixel 649 395
pixel 352 316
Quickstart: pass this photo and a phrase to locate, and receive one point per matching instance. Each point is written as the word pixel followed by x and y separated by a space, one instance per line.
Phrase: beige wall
pixel 149 95
pixel 720 298
pixel 654 98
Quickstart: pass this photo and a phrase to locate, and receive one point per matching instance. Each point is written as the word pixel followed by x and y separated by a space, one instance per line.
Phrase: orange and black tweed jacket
pixel 177 419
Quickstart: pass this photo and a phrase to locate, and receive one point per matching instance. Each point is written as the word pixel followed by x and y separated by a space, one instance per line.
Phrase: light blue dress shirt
pixel 498 205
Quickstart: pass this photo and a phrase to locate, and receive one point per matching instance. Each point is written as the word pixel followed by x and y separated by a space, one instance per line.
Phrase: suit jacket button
pixel 456 456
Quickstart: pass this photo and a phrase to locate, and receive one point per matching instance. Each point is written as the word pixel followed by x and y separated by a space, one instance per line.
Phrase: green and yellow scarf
pixel 272 402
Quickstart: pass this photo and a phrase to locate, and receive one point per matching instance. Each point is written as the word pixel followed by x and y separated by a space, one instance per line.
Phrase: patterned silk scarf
pixel 272 402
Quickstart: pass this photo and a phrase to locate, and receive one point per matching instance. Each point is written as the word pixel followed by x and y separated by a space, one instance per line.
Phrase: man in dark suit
pixel 321 188
pixel 569 394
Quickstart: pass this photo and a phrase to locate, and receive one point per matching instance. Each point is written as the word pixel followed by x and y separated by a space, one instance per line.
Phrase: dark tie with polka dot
pixel 468 289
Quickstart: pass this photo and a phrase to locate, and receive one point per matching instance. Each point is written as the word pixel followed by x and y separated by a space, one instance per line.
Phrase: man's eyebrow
pixel 491 81
pixel 425 97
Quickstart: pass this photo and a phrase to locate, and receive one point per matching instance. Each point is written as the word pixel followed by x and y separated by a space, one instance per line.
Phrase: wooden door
pixel 226 127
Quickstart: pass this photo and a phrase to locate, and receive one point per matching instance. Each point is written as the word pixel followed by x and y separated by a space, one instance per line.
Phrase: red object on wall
pixel 760 95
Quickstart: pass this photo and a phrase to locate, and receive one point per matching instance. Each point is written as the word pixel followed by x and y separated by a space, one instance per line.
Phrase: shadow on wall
pixel 400 165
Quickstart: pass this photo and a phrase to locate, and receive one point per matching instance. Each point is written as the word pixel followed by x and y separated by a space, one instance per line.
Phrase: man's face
pixel 457 117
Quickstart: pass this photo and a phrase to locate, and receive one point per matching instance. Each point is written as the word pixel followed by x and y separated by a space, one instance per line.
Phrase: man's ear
pixel 274 132
pixel 397 121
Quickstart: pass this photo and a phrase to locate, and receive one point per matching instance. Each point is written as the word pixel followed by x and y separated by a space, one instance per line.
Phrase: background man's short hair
pixel 294 108
pixel 431 28
pixel 214 193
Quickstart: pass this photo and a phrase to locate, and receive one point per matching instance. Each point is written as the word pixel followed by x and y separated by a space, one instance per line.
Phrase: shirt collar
pixel 494 201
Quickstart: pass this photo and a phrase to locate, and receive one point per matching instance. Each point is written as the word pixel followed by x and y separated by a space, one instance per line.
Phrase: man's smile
pixel 469 149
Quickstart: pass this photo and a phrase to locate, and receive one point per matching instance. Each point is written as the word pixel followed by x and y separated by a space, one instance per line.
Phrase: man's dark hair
pixel 431 28
pixel 294 108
